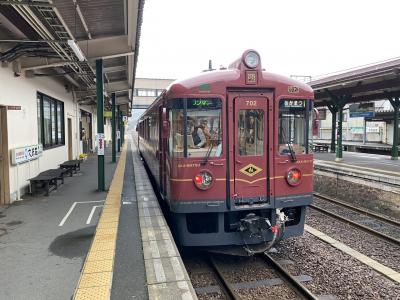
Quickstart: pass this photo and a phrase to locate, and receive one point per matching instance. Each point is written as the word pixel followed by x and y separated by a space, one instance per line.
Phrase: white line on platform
pixel 89 219
pixel 72 208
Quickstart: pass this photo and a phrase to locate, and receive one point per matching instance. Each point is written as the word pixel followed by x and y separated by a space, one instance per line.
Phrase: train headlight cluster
pixel 293 176
pixel 203 180
pixel 252 59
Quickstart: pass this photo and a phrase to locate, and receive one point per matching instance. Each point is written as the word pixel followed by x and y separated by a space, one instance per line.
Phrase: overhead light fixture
pixel 78 52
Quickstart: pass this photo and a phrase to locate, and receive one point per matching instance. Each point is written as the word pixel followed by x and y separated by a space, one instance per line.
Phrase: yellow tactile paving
pixel 107 225
pixel 104 237
pixel 96 279
pixel 96 276
pixel 103 231
pixel 99 246
pixel 98 266
pixel 388 272
pixel 97 292
pixel 100 255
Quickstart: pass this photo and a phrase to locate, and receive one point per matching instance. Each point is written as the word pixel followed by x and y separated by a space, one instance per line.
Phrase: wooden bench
pixel 47 179
pixel 320 148
pixel 72 166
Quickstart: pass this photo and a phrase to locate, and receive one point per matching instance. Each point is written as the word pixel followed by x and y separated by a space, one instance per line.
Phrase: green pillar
pixel 100 124
pixel 339 147
pixel 333 111
pixel 114 129
pixel 396 106
pixel 119 128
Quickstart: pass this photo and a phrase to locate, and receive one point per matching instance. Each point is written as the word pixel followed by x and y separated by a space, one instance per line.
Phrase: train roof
pixel 217 82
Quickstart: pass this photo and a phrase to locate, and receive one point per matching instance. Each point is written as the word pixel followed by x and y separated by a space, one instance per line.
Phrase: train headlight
pixel 203 180
pixel 252 59
pixel 293 176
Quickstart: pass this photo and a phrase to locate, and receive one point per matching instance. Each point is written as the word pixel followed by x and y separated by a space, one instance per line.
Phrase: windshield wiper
pixel 207 156
pixel 292 153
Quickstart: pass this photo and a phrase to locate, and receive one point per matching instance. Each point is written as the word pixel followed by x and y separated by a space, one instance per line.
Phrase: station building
pixel 145 92
pixel 55 57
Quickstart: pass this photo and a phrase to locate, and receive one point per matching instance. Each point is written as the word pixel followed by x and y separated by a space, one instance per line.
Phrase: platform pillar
pixel 395 101
pixel 100 123
pixel 113 129
pixel 333 111
pixel 365 131
pixel 339 146
pixel 119 128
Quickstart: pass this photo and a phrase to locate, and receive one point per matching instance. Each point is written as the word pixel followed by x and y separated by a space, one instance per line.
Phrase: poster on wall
pixel 27 153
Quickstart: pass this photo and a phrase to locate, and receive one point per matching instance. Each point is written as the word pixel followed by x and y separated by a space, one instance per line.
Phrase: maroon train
pixel 229 152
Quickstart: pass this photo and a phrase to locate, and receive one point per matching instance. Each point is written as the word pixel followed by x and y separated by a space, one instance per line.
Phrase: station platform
pixel 79 243
pixel 360 146
pixel 362 161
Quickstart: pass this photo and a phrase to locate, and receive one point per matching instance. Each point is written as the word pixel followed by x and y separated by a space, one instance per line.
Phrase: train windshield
pixel 195 127
pixel 293 127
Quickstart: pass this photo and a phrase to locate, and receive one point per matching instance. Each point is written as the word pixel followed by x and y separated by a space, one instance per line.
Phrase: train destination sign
pixel 24 154
pixel 294 103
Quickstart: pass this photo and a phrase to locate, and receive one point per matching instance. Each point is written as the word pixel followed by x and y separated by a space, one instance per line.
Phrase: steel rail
pixel 359 226
pixel 299 288
pixel 225 286
pixel 360 210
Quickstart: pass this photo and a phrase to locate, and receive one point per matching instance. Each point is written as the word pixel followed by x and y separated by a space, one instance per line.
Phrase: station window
pixel 293 123
pixel 51 131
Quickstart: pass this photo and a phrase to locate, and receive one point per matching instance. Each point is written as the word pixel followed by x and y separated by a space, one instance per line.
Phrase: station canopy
pixel 364 84
pixel 64 38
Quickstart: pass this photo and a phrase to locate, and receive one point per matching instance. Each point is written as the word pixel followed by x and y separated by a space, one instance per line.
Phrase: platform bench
pixel 47 179
pixel 320 148
pixel 72 166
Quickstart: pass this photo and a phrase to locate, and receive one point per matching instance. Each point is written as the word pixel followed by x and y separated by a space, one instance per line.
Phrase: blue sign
pixel 361 114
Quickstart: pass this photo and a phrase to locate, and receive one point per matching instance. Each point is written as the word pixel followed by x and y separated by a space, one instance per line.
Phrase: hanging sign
pixel 118 134
pixel 100 143
pixel 24 154
pixel 366 110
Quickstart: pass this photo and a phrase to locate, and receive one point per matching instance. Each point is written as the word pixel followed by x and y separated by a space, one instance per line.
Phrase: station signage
pixel 100 143
pixel 360 110
pixel 25 154
pixel 13 107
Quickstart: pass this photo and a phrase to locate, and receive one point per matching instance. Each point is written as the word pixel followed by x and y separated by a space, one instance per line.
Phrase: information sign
pixel 100 143
pixel 118 134
pixel 366 110
pixel 27 153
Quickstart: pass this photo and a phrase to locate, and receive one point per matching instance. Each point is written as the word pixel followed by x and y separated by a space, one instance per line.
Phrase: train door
pixel 250 149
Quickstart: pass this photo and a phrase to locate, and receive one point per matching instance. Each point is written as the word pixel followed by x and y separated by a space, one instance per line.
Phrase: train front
pixel 238 168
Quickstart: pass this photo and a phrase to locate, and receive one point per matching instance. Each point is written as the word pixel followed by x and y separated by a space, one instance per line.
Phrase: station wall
pixel 23 125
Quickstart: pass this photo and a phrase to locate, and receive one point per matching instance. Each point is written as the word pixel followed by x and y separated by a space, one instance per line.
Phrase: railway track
pixel 362 227
pixel 230 292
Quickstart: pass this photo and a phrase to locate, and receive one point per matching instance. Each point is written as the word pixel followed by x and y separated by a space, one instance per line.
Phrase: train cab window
pixel 251 132
pixel 293 119
pixel 195 127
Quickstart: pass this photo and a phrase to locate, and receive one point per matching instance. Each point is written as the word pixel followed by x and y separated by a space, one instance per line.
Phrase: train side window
pixel 176 133
pixel 292 126
pixel 251 132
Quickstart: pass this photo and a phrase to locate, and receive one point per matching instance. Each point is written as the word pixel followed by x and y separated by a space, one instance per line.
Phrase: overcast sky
pixel 302 37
